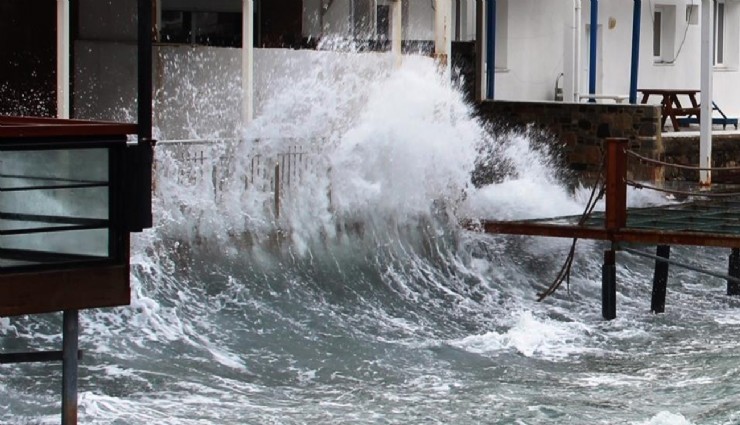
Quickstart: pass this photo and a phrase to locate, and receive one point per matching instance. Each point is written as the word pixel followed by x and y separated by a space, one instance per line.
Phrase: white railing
pixel 214 164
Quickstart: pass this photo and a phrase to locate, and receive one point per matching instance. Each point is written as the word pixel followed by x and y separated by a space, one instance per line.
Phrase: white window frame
pixel 664 28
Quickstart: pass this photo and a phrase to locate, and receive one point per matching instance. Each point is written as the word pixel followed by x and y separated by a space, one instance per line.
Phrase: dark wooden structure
pixel 71 191
pixel 63 230
pixel 703 222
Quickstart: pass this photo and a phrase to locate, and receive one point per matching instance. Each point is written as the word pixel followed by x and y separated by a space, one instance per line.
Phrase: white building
pixel 540 44
pixel 537 40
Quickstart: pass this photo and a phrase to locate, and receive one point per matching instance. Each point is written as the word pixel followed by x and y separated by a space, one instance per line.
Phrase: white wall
pixel 535 50
pixel 538 38
pixel 684 71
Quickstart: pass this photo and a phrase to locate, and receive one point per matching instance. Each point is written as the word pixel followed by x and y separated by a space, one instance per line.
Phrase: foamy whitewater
pixel 363 301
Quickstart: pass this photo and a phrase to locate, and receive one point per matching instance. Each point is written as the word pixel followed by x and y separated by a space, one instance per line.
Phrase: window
pixel 657 23
pixel 664 33
pixel 214 23
pixel 692 14
pixel 206 28
pixel 719 32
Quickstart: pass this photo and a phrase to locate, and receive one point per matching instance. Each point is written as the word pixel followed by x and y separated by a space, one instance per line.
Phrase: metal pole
pixel 609 285
pixel 660 279
pixel 277 190
pixel 490 49
pixel 733 269
pixel 144 154
pixel 592 50
pixel 636 15
pixel 458 19
pixel 145 70
pixel 705 123
pixel 70 334
pixel 479 39
pixel 577 64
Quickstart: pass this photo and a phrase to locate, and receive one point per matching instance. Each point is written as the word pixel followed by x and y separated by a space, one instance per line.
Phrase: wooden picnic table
pixel 672 107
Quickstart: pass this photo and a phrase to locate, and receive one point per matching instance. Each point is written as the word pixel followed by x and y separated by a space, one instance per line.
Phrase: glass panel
pixel 223 29
pixel 720 33
pixel 54 206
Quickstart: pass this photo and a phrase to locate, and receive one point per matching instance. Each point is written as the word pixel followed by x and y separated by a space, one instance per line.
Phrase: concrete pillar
pixel 443 33
pixel 62 58
pixel 705 124
pixel 397 31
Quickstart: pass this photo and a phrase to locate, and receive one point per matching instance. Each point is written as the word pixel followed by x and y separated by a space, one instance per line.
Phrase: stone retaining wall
pixel 581 129
pixel 684 150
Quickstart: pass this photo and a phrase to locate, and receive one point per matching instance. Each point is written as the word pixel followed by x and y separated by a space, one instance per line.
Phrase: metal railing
pixel 218 163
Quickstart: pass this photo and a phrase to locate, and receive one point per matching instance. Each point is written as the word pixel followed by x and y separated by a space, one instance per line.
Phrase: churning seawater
pixel 364 302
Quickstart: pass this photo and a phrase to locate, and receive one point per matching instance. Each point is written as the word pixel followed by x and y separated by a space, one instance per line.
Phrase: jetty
pixel 706 218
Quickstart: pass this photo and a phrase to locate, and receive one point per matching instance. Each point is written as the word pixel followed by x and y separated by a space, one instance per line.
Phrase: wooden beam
pixel 75 289
pixel 643 236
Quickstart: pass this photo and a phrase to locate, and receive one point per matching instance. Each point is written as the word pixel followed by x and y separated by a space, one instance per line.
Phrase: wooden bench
pixel 723 120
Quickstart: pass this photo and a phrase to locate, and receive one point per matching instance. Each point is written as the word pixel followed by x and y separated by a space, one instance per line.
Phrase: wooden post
pixel 609 285
pixel 616 184
pixel 733 288
pixel 660 279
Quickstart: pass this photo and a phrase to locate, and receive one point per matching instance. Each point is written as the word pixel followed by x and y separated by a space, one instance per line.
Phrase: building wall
pixel 534 52
pixel 582 128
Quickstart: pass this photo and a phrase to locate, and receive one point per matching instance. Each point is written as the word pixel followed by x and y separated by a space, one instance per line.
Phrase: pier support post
pixel 660 279
pixel 70 334
pixel 733 288
pixel 616 184
pixel 609 285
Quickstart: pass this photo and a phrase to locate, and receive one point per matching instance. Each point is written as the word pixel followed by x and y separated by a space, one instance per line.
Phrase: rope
pixel 564 273
pixel 683 167
pixel 681 192
pixel 685 266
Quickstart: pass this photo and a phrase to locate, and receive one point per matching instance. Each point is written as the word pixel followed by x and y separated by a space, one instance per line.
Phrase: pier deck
pixel 707 218
pixel 698 223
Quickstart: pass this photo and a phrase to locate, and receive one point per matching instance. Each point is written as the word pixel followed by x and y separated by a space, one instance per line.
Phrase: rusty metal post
pixel 616 184
pixel 733 287
pixel 609 285
pixel 660 279
pixel 70 335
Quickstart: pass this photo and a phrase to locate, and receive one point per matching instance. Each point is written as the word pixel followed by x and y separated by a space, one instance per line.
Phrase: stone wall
pixel 581 128
pixel 684 149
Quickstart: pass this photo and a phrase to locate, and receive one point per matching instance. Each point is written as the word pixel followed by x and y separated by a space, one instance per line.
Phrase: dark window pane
pixel 656 33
